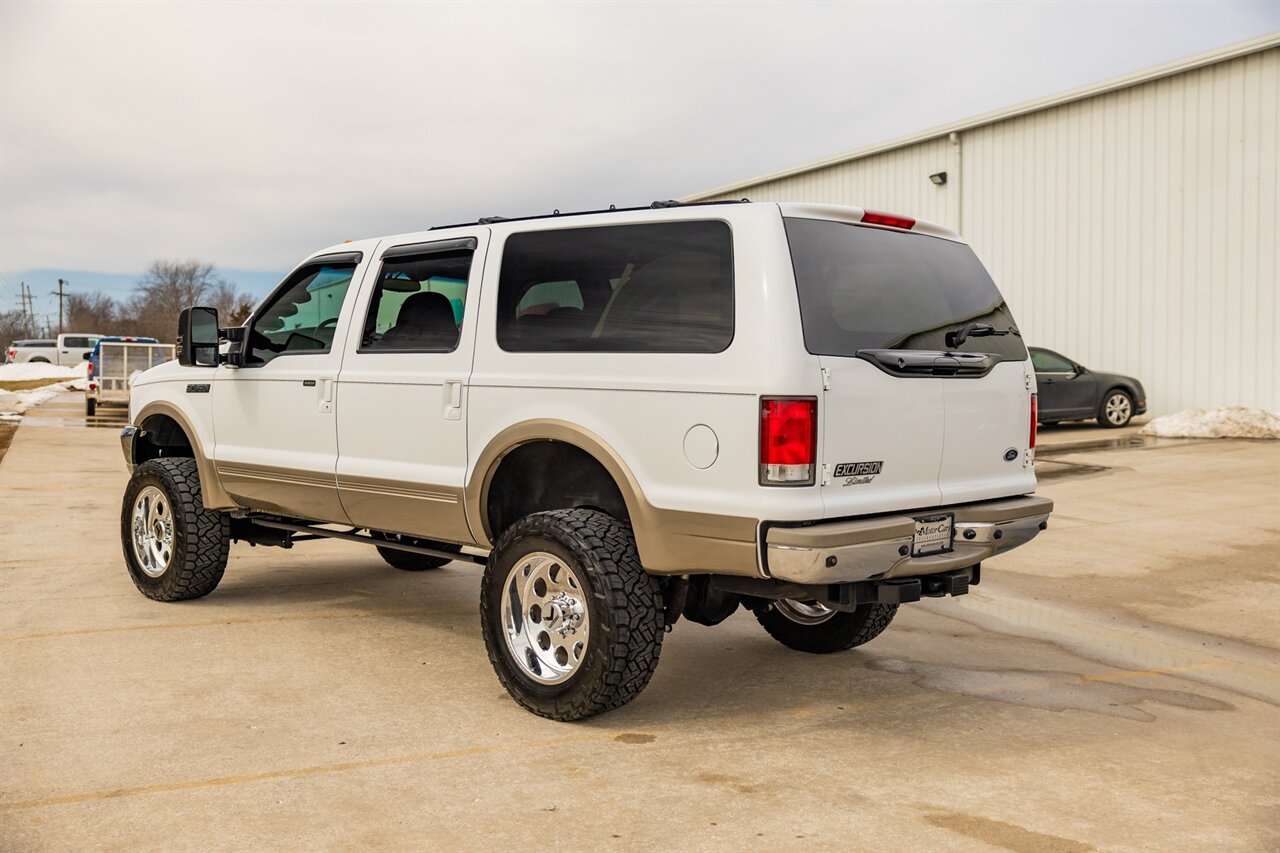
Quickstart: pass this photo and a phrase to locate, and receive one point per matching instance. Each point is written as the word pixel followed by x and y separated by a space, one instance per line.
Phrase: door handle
pixel 452 400
pixel 325 405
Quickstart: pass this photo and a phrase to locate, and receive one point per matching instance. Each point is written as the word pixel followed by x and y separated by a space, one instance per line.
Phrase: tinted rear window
pixel 663 287
pixel 864 288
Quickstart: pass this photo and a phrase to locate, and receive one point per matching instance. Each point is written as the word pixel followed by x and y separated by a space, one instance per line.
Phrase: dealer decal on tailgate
pixel 857 473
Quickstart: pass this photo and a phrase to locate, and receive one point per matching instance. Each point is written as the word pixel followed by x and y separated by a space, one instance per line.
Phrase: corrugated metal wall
pixel 1137 231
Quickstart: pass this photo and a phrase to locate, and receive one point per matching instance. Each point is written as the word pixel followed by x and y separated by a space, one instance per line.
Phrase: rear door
pixel 909 421
pixel 402 426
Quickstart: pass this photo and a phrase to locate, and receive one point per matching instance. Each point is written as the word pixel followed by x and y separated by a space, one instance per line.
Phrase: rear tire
pixel 810 627
pixel 1116 410
pixel 572 623
pixel 174 548
pixel 90 406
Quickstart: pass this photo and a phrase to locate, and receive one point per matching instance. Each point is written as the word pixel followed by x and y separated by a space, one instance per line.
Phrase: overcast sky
pixel 250 134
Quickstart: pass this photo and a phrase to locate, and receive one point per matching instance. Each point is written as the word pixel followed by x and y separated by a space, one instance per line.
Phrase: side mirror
pixel 198 337
pixel 88 355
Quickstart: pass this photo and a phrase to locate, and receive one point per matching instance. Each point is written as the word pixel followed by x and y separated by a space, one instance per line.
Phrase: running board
pixel 369 540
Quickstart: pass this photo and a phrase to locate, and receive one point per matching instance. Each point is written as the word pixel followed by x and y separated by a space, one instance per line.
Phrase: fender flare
pixel 211 490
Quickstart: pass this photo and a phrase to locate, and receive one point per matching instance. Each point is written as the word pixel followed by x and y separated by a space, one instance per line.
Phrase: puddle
pixel 1048 469
pixel 1117 646
pixel 635 737
pixel 1049 690
pixel 113 421
pixel 1008 836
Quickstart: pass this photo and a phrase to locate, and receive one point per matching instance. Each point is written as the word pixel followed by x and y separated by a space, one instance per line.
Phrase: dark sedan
pixel 1068 391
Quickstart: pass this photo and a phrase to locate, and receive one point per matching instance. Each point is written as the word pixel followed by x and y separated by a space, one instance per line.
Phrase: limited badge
pixel 1011 454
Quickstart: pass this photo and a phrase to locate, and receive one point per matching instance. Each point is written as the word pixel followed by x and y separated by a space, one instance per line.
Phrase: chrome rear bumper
pixel 879 546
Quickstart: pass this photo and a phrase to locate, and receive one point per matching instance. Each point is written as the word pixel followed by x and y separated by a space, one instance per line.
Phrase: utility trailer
pixel 115 365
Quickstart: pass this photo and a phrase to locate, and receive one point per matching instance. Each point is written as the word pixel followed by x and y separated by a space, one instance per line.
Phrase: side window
pixel 1047 362
pixel 662 287
pixel 76 343
pixel 303 315
pixel 418 303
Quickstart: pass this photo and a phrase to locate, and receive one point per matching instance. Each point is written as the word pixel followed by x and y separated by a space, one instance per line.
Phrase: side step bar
pixel 314 531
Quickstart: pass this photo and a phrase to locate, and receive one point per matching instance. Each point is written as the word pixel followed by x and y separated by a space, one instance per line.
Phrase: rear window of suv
pixel 661 287
pixel 864 288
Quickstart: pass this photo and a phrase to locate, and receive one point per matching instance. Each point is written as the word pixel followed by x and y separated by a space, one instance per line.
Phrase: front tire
pixel 807 626
pixel 572 623
pixel 174 548
pixel 1116 410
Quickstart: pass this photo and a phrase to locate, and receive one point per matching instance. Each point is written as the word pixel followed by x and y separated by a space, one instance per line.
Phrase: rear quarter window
pixel 659 287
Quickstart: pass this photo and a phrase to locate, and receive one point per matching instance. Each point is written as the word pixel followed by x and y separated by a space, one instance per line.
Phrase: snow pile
pixel 14 403
pixel 1224 422
pixel 30 370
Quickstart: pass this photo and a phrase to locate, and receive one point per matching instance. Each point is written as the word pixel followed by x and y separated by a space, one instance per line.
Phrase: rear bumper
pixel 879 547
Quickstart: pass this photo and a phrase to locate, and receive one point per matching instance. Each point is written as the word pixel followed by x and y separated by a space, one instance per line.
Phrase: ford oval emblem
pixel 1011 454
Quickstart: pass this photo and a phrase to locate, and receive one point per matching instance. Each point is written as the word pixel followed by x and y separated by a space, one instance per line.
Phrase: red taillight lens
pixel 1034 419
pixel 93 386
pixel 875 217
pixel 788 440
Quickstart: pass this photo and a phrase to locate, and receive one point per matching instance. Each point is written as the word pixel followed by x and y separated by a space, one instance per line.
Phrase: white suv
pixel 626 416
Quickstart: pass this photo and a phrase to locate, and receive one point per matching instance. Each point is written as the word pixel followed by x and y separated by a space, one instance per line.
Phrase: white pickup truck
pixel 68 350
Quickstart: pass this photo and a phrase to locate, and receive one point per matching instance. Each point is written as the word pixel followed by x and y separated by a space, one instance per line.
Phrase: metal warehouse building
pixel 1132 225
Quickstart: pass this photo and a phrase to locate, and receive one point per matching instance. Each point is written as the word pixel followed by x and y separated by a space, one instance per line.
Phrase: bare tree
pixel 96 312
pixel 14 326
pixel 169 286
pixel 233 306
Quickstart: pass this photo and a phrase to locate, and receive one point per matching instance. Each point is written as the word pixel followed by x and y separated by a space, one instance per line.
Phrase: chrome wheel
pixel 545 618
pixel 152 531
pixel 1118 409
pixel 804 612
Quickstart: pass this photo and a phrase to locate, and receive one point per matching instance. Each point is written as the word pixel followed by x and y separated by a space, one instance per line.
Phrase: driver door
pixel 1063 390
pixel 276 444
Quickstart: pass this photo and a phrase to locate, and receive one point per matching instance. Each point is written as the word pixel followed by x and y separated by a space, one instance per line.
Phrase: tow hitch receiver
pixel 947 583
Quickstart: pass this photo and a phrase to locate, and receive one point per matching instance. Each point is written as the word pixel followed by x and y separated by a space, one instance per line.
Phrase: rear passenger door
pixel 402 437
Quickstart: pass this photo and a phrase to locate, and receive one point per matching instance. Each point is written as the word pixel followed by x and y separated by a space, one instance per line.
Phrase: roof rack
pixel 657 205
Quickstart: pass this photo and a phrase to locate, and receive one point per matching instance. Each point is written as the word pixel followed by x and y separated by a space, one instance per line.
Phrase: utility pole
pixel 25 301
pixel 61 294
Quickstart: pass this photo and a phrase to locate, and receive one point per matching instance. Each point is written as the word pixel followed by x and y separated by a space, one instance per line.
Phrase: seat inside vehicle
pixel 425 321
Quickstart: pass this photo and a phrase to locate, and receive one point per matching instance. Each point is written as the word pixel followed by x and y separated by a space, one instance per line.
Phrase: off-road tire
pixel 841 632
pixel 624 604
pixel 90 407
pixel 1103 420
pixel 407 561
pixel 202 537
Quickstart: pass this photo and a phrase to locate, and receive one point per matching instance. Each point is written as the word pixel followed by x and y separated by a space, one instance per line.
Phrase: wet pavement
pixel 1112 686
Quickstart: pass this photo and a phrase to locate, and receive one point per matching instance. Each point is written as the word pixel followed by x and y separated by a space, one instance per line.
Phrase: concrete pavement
pixel 1114 685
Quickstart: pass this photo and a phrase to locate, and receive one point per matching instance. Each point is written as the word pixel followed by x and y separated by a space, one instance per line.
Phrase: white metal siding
pixel 1137 231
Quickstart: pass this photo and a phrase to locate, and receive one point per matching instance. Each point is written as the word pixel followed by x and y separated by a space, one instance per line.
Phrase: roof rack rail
pixel 657 205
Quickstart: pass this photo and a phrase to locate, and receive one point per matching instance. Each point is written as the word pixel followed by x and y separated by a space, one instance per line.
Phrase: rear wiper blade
pixel 956 337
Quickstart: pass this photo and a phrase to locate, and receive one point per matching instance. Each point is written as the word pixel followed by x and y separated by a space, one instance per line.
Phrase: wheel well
pixel 546 475
pixel 161 436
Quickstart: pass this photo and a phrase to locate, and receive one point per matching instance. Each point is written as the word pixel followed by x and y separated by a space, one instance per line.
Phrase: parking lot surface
pixel 1113 685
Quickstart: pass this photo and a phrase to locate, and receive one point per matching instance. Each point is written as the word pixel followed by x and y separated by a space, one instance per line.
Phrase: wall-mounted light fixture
pixel 938 178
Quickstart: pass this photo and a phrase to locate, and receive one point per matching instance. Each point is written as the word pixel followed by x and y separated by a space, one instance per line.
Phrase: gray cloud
pixel 251 134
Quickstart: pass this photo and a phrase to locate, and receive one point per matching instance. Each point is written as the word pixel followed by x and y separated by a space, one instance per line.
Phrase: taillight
pixel 93 386
pixel 875 217
pixel 1034 418
pixel 788 440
